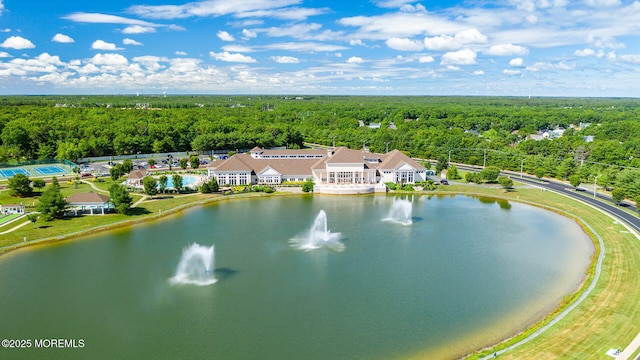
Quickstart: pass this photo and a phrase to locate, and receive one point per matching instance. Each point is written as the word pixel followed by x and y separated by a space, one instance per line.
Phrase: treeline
pixel 473 130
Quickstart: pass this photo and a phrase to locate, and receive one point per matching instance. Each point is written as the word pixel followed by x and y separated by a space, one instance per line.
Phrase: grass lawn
pixel 608 318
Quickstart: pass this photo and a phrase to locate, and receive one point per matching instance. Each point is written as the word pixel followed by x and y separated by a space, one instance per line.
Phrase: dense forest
pixel 601 136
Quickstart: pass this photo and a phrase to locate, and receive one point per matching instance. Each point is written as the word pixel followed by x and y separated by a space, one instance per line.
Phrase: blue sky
pixel 354 47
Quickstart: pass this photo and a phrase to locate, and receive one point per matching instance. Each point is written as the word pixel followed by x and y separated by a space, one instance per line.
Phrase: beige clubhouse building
pixel 334 171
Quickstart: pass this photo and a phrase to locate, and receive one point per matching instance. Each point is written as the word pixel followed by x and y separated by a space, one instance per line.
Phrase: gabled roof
pixel 237 162
pixel 137 174
pixel 343 155
pixel 396 158
pixel 86 198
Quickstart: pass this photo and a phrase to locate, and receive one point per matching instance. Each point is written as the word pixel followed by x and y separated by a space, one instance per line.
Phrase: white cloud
pixel 229 57
pixel 180 53
pixel 507 50
pixel 285 59
pixel 242 9
pixel 404 44
pixel 225 36
pixel 109 59
pixel 633 59
pixel 128 41
pixel 4 54
pixel 17 42
pixel 355 60
pixel 602 3
pixel 447 42
pixel 511 72
pixel 426 59
pixel 137 29
pixel 103 45
pixel 61 38
pixel 460 57
pixel 585 52
pixel 516 62
pixel 97 18
pixel 248 34
pixel 478 72
pixel 356 42
pixel 441 43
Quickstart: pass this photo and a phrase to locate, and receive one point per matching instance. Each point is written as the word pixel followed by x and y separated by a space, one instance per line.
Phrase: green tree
pixel 575 180
pixel 194 161
pixel 617 195
pixel 38 183
pixel 33 218
pixel 20 185
pixel 452 174
pixel 183 163
pixel 127 166
pixel 150 185
pixel 177 182
pixel 441 164
pixel 162 183
pixel 307 186
pixel 52 204
pixel 506 182
pixel 473 177
pixel 120 198
pixel 213 184
pixel 151 162
pixel 490 174
pixel 205 189
pixel 116 172
pixel 539 172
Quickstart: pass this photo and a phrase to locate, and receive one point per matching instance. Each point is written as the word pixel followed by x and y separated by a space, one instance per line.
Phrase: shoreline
pixel 531 327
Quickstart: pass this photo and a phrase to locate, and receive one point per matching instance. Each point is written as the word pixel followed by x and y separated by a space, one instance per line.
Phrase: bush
pixel 307 186
pixel 472 177
pixel 390 185
pixel 408 187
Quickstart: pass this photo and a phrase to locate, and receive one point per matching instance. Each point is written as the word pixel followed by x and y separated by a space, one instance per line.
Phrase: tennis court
pixel 7 173
pixel 49 170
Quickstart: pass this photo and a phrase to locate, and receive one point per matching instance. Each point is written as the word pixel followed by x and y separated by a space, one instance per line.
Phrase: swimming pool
pixel 187 181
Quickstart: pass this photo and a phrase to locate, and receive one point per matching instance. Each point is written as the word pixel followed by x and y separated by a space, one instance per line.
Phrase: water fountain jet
pixel 400 212
pixel 195 266
pixel 319 236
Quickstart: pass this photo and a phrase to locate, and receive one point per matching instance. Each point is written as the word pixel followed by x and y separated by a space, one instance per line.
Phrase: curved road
pixel 600 201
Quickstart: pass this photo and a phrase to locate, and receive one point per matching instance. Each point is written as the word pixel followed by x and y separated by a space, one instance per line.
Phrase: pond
pixel 452 275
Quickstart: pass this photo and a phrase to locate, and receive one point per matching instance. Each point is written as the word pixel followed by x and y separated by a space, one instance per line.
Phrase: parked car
pixel 444 182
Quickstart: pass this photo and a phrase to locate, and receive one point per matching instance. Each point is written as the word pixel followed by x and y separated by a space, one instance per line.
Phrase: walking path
pixel 630 349
pixel 15 228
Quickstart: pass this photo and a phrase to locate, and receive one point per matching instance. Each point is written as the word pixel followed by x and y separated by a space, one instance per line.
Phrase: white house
pixel 8 209
pixel 339 170
pixel 88 202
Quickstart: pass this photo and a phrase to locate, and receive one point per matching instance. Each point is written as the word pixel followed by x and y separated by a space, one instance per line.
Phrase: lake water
pixel 464 273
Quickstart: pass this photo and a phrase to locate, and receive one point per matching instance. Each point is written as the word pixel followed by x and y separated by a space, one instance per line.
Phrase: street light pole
pixel 595 186
pixel 521 167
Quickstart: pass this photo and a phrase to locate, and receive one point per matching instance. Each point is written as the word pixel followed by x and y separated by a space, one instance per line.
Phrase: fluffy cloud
pixel 404 44
pixel 285 59
pixel 426 59
pixel 137 29
pixel 460 57
pixel 448 42
pixel 61 38
pixel 181 53
pixel 109 59
pixel 355 60
pixel 229 57
pixel 128 41
pixel 516 62
pixel 103 45
pixel 17 42
pixel 225 36
pixel 4 54
pixel 248 34
pixel 507 50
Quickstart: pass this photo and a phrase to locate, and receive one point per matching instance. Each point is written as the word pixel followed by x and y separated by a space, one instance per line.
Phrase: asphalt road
pixel 601 201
